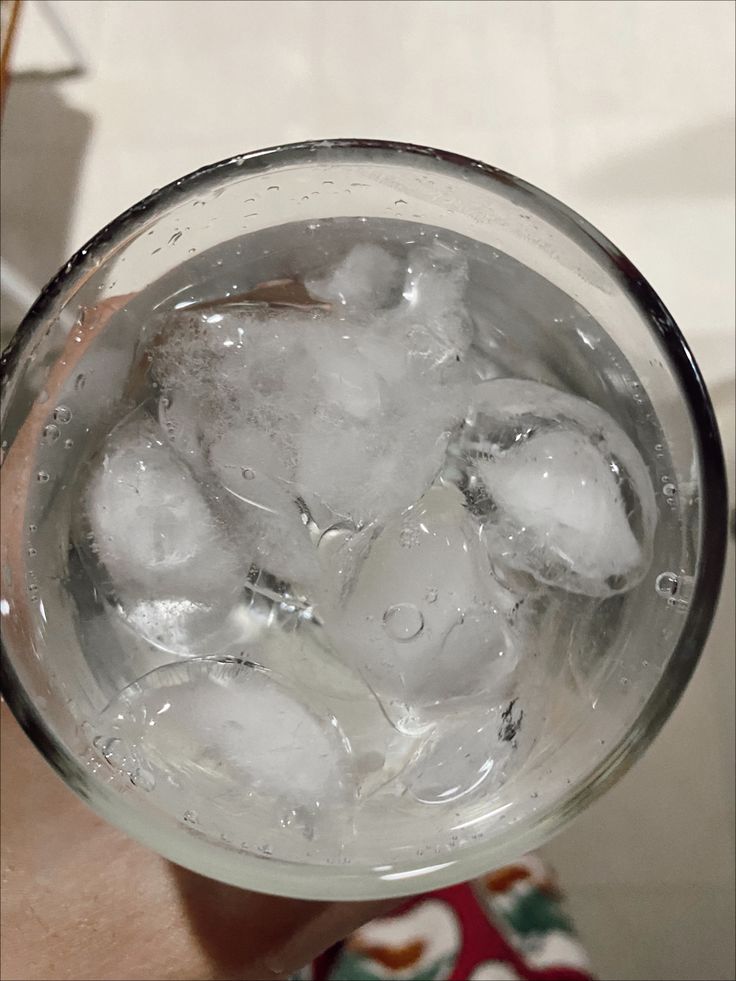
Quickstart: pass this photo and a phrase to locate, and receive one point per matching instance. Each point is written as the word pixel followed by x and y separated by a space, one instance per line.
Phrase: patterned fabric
pixel 505 926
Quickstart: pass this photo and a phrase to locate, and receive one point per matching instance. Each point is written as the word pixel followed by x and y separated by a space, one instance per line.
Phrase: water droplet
pixel 68 443
pixel 247 473
pixel 403 622
pixel 669 490
pixel 32 552
pixel 62 414
pixel 32 528
pixel 667 584
pixel 42 477
pixel 273 187
pixel 175 238
pixel 190 817
pixel 50 434
pixel 143 778
pixel 431 594
pixel 79 382
pixel 111 749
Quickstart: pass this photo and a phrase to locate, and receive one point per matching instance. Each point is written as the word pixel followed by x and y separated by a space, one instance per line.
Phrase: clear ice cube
pixel 474 752
pixel 417 613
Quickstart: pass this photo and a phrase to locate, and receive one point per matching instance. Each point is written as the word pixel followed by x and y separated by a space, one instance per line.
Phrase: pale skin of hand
pixel 81 900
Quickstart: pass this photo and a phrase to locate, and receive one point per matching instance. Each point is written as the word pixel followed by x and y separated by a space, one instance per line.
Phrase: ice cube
pixel 229 731
pixel 417 616
pixel 354 410
pixel 564 492
pixel 434 292
pixel 368 278
pixel 477 751
pixel 151 528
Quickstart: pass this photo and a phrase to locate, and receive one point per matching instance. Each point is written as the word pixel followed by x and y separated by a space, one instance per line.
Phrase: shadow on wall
pixel 43 145
pixel 696 162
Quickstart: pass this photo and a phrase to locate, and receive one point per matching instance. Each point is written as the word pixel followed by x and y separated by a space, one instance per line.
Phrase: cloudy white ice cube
pixel 568 496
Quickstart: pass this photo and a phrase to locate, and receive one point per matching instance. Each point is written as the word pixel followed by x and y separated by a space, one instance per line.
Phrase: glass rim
pixel 345 883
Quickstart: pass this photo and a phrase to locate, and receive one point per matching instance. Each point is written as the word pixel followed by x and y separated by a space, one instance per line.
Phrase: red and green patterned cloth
pixel 507 925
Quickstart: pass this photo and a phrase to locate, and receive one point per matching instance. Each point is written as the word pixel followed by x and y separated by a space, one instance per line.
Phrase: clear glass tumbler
pixel 560 283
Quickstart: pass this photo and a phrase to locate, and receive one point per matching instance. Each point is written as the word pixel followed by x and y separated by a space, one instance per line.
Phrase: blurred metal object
pixel 276 293
pixel 9 19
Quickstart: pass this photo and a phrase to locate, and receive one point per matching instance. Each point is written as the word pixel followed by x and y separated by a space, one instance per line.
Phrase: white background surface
pixel 624 110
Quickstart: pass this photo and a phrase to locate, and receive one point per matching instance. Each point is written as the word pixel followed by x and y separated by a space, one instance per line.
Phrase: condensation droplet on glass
pixel 62 414
pixel 50 434
pixel 403 622
pixel 667 584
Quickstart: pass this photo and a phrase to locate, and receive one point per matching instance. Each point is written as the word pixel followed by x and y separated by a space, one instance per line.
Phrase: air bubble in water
pixel 68 444
pixel 403 622
pixel 247 473
pixel 32 552
pixel 669 490
pixel 431 594
pixel 190 817
pixel 50 434
pixel 111 749
pixel 667 584
pixel 62 414
pixel 143 778
pixel 79 382
pixel 42 477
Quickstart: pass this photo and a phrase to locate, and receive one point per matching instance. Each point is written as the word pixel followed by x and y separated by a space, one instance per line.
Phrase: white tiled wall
pixel 624 110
